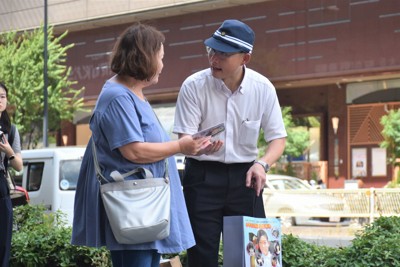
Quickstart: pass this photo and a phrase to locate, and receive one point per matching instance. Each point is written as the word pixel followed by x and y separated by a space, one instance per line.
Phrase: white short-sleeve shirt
pixel 205 101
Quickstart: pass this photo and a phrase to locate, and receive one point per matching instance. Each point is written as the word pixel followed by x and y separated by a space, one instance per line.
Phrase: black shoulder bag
pixel 10 180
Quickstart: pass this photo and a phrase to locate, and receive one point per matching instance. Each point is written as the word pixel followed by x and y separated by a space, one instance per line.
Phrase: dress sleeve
pixel 120 123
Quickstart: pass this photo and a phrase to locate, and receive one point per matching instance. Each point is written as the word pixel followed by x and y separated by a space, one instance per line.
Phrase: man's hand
pixel 190 146
pixel 211 148
pixel 256 178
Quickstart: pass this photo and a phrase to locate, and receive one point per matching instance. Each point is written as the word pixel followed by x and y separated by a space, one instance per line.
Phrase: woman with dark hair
pixel 10 154
pixel 127 135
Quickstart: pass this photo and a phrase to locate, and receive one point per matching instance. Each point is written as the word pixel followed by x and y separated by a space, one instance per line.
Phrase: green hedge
pixel 42 240
pixel 377 245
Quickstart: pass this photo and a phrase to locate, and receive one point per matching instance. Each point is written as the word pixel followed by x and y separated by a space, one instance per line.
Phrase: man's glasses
pixel 212 52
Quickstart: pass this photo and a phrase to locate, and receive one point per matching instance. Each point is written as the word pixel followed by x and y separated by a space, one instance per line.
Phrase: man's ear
pixel 246 58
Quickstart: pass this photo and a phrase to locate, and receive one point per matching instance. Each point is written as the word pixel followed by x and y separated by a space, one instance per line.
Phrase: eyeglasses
pixel 212 52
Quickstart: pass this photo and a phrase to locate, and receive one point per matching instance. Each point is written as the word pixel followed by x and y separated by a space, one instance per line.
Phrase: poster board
pixel 359 162
pixel 379 164
pixel 252 242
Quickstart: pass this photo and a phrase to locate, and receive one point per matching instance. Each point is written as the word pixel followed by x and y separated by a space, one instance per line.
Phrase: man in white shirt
pixel 226 179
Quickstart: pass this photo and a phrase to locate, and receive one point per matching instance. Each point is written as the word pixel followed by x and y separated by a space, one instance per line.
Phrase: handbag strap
pixel 116 175
pixel 96 164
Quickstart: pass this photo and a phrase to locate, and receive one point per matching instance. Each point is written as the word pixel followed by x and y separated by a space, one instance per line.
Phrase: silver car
pixel 297 203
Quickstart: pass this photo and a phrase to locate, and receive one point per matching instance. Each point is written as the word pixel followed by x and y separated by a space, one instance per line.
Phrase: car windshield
pixel 291 184
pixel 69 174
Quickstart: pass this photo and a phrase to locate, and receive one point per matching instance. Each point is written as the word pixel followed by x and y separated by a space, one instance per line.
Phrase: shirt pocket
pixel 248 133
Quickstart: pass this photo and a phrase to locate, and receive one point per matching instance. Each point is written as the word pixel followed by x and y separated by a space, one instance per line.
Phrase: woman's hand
pixel 5 146
pixel 190 146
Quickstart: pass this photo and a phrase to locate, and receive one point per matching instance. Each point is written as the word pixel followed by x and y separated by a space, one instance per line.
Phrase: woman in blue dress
pixel 128 135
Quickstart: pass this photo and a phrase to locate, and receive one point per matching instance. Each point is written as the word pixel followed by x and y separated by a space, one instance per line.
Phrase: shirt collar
pixel 242 87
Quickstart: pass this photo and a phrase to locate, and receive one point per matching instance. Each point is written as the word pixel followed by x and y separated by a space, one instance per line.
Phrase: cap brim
pixel 221 46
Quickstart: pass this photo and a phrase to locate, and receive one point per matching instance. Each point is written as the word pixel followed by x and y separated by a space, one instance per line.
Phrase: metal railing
pixel 355 203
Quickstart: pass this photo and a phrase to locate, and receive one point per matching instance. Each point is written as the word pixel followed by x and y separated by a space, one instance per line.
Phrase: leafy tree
pixel 391 135
pixel 22 65
pixel 297 141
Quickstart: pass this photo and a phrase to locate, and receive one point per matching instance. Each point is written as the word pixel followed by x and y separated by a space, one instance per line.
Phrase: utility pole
pixel 45 93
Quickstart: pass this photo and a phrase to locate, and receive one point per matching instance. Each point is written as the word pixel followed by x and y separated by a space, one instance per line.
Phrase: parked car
pixel 50 176
pixel 280 197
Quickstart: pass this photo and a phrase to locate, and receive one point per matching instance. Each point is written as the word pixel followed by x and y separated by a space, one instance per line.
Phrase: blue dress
pixel 119 118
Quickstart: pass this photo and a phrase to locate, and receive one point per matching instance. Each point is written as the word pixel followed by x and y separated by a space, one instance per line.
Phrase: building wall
pixel 295 40
pixel 327 43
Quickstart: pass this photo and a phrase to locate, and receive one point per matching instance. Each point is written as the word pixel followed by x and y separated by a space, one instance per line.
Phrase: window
pixel 35 174
pixel 69 173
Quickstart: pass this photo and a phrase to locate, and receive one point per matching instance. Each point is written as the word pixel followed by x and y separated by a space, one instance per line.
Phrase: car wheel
pixel 287 220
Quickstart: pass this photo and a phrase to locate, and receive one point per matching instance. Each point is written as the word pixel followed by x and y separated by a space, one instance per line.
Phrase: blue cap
pixel 232 36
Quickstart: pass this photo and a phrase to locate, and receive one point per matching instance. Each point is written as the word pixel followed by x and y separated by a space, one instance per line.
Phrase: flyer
pixel 212 131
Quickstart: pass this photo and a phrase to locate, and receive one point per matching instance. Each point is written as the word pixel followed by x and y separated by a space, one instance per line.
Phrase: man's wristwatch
pixel 264 164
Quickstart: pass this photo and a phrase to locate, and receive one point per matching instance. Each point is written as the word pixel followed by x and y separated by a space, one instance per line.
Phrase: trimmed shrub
pixel 377 245
pixel 42 239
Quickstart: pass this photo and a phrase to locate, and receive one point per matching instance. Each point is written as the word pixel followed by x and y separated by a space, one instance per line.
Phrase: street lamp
pixel 45 79
pixel 335 126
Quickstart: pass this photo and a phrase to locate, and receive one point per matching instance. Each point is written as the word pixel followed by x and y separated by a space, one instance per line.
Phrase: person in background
pixel 226 178
pixel 127 135
pixel 321 184
pixel 10 155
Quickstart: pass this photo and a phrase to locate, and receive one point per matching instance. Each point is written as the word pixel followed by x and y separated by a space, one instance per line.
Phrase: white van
pixel 50 176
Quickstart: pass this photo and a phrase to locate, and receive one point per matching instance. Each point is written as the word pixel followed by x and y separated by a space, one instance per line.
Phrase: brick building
pixel 331 60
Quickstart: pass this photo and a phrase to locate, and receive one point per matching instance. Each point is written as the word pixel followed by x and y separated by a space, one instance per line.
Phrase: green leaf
pixel 22 61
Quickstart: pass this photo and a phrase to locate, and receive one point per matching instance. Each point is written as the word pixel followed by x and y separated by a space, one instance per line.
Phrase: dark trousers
pixel 213 190
pixel 6 221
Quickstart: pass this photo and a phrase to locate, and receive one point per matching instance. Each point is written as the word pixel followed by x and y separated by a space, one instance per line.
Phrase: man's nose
pixel 213 58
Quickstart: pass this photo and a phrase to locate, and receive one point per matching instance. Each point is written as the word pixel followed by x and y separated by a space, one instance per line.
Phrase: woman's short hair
pixel 135 52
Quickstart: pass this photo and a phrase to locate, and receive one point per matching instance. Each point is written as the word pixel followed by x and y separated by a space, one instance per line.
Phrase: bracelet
pixel 11 157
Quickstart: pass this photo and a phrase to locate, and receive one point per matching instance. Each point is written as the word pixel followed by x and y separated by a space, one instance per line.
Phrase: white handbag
pixel 138 210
